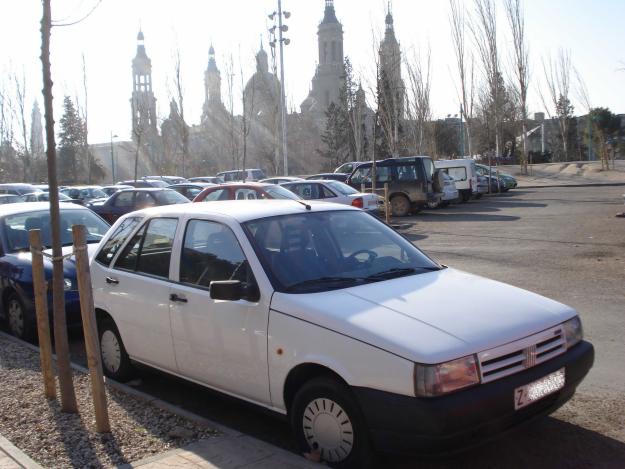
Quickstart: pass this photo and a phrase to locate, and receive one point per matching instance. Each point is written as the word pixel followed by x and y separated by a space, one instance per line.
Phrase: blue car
pixel 17 306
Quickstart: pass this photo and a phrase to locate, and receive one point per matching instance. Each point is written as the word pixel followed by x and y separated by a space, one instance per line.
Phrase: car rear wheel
pixel 400 206
pixel 20 323
pixel 115 361
pixel 329 426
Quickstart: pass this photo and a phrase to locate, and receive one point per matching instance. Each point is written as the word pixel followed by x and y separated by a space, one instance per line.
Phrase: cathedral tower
pixel 212 87
pixel 329 76
pixel 143 102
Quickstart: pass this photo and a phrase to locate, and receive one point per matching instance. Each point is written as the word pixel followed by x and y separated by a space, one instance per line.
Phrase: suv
pixel 247 175
pixel 325 314
pixel 412 182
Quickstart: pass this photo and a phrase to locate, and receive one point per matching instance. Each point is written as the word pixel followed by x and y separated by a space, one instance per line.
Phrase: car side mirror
pixel 233 290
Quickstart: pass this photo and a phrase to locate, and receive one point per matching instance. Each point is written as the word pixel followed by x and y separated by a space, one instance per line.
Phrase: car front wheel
pixel 328 425
pixel 115 361
pixel 21 325
pixel 400 206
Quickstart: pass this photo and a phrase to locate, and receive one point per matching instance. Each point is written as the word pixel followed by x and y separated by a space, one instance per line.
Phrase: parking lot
pixel 564 243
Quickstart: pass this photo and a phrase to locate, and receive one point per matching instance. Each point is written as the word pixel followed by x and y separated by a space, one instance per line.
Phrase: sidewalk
pixel 13 458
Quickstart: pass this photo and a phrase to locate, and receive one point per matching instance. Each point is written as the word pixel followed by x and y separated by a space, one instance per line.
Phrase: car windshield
pixel 279 192
pixel 170 197
pixel 320 251
pixel 16 227
pixel 341 187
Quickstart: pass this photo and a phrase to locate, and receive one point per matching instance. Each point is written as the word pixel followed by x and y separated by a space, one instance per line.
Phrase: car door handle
pixel 178 299
pixel 112 280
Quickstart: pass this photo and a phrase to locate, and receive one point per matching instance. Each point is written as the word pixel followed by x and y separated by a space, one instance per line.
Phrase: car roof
pixel 146 189
pixel 25 207
pixel 245 210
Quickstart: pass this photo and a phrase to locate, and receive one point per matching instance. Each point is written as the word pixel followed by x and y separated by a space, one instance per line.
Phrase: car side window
pixel 325 193
pixel 117 239
pixel 144 200
pixel 219 194
pixel 124 199
pixel 211 252
pixel 406 173
pixel 149 251
pixel 362 174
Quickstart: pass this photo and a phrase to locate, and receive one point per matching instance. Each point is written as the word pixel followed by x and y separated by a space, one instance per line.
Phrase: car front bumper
pixel 402 424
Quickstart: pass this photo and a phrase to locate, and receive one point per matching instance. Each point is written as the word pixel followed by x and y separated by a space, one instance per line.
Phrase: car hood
pixel 69 265
pixel 428 318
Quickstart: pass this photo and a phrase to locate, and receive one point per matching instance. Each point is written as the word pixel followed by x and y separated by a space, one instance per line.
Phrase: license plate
pixel 532 392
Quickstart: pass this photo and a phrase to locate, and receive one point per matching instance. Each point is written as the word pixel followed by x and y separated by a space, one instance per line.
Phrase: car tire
pixel 328 424
pixel 400 206
pixel 478 196
pixel 115 361
pixel 433 205
pixel 20 322
pixel 465 197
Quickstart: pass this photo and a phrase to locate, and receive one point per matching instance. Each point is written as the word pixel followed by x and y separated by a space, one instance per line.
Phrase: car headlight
pixel 434 380
pixel 573 331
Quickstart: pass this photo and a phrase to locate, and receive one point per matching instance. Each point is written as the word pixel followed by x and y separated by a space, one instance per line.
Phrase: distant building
pixel 143 102
pixel 329 76
pixel 213 104
pixel 391 87
pixel 261 95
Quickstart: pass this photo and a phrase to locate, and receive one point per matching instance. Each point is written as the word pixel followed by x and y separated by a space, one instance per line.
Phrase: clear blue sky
pixel 594 32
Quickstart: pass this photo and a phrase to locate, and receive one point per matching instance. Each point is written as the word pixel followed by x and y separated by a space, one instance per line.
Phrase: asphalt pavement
pixel 565 243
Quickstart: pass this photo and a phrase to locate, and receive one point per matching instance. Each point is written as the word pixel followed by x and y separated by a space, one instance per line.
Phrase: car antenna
pixel 308 207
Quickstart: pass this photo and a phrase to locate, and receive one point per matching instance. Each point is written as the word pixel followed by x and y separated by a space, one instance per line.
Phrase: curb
pixel 600 184
pixel 226 432
pixel 17 455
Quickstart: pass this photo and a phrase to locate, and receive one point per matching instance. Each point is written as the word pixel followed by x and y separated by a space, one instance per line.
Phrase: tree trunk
pixel 68 398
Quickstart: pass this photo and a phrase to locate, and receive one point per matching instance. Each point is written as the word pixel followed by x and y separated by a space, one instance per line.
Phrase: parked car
pixel 169 180
pixel 450 193
pixel 210 179
pixel 412 182
pixel 330 317
pixel 110 190
pixel 129 200
pixel 10 199
pixel 190 190
pixel 505 182
pixel 482 186
pixel 16 281
pixel 244 191
pixel 348 168
pixel 144 183
pixel 45 197
pixel 17 189
pixel 280 180
pixel 85 194
pixel 242 175
pixel 336 192
pixel 464 173
pixel 341 177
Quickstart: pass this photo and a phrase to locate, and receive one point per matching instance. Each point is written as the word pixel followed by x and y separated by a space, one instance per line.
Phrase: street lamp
pixel 112 159
pixel 282 28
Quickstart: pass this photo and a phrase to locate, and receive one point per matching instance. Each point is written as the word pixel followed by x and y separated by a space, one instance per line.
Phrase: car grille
pixel 521 354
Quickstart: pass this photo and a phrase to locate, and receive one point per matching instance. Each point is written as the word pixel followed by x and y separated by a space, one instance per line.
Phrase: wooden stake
pixel 90 329
pixel 386 204
pixel 41 309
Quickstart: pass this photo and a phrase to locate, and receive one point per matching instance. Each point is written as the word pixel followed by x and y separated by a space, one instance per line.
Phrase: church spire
pixel 329 15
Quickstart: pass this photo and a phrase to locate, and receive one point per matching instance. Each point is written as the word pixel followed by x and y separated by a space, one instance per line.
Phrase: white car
pixel 327 315
pixel 450 193
pixel 334 191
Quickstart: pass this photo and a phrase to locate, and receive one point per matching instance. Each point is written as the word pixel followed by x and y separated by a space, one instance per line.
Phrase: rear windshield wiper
pixel 323 281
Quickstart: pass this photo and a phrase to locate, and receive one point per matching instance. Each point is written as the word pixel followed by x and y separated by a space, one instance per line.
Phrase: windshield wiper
pixel 392 273
pixel 323 281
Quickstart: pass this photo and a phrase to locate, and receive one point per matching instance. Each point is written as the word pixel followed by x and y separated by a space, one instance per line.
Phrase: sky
pixel 592 31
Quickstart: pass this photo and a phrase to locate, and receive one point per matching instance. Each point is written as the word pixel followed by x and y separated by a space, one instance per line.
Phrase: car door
pixel 122 203
pixel 222 344
pixel 136 289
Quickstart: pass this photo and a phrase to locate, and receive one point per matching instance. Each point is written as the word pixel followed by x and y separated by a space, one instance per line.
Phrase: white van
pixel 248 175
pixel 464 174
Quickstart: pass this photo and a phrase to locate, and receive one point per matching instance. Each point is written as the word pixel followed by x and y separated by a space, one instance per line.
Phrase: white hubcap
pixel 16 317
pixel 328 429
pixel 111 352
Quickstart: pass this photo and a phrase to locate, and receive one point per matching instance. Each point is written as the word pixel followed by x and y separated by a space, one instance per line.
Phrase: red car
pixel 244 191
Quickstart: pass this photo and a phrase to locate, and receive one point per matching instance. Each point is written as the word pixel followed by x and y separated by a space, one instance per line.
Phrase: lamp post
pixel 112 159
pixel 282 41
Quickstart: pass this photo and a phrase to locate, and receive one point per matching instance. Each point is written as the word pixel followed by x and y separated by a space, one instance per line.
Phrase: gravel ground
pixel 56 439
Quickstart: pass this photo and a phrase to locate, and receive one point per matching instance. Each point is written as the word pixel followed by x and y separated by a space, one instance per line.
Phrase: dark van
pixel 412 182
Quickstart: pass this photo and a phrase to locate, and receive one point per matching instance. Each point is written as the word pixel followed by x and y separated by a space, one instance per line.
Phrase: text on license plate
pixel 532 392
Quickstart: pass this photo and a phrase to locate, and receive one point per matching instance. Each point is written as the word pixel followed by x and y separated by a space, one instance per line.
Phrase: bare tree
pixel 418 98
pixel 557 76
pixel 19 110
pixel 233 143
pixel 520 61
pixel 180 101
pixel 248 112
pixel 484 29
pixel 465 70
pixel 68 397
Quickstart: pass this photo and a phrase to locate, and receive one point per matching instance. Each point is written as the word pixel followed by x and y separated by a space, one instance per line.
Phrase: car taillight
pixel 358 202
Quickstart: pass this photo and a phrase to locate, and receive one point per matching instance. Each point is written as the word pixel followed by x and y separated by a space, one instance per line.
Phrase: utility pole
pixel 281 29
pixel 462 154
pixel 112 159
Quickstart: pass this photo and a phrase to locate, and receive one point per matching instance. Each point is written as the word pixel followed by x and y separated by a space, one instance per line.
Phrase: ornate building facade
pixel 142 102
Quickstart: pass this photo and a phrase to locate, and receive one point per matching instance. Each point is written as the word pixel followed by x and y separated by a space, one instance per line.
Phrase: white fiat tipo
pixel 323 313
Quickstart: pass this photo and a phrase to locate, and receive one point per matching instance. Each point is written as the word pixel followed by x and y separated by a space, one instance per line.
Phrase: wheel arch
pixel 303 373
